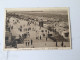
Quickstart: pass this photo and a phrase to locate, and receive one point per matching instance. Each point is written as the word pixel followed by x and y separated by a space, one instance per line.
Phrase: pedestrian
pixel 19 36
pixel 11 27
pixel 46 38
pixel 28 42
pixel 40 37
pixel 16 44
pixel 48 32
pixel 31 41
pixel 20 30
pixel 56 43
pixel 62 44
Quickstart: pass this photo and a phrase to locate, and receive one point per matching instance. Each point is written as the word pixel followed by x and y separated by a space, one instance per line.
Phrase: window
pixel 66 34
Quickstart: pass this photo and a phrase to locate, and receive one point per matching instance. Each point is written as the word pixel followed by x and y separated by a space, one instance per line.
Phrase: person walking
pixel 31 41
pixel 40 37
pixel 56 43
pixel 28 42
pixel 62 44
pixel 46 38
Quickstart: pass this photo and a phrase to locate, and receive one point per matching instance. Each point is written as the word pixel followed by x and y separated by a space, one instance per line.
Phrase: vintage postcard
pixel 37 28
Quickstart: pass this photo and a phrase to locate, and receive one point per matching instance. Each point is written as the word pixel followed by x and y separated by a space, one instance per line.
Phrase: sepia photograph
pixel 37 28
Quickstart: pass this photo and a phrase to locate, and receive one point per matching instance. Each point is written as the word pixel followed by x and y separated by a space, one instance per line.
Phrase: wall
pixel 73 54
